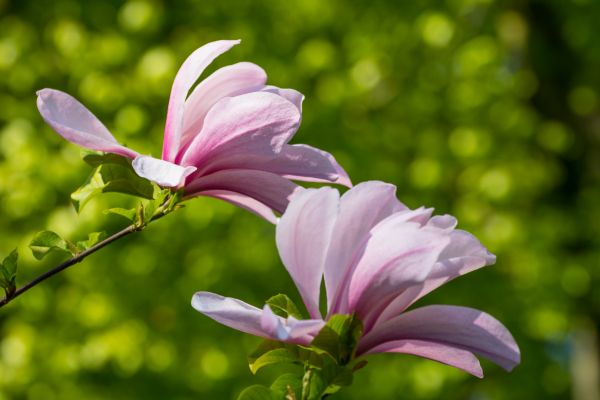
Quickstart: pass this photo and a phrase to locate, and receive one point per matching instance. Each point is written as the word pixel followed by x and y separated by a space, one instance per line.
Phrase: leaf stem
pixel 72 261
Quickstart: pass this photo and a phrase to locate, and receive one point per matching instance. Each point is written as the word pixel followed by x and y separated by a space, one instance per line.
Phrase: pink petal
pixel 266 188
pixel 464 254
pixel 464 328
pixel 369 203
pixel 228 81
pixel 70 119
pixel 290 330
pixel 161 172
pixel 298 162
pixel 303 234
pixel 231 312
pixel 443 353
pixel 245 202
pixel 257 123
pixel 243 317
pixel 187 75
pixel 398 255
pixel 293 96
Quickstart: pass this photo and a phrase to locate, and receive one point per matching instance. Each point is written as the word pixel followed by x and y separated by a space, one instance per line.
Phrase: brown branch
pixel 72 261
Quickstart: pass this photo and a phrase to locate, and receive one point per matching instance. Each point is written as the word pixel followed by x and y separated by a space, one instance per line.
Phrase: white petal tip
pixel 161 172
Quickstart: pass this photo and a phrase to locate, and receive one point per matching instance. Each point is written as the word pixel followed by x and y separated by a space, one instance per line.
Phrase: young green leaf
pixel 339 337
pixel 93 239
pixel 276 356
pixel 297 354
pixel 287 386
pixel 46 241
pixel 128 213
pixel 8 273
pixel 283 306
pixel 96 159
pixel 112 177
pixel 257 392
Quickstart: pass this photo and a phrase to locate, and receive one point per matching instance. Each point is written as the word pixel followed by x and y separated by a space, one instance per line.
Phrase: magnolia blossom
pixel 228 139
pixel 377 258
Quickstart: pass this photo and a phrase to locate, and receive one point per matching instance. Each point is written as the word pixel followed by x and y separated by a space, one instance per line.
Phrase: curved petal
pixel 463 254
pixel 257 123
pixel 398 255
pixel 187 75
pixel 232 80
pixel 290 330
pixel 440 352
pixel 71 120
pixel 161 172
pixel 369 203
pixel 243 317
pixel 298 162
pixel 460 327
pixel 294 96
pixel 303 234
pixel 266 188
pixel 231 312
pixel 245 202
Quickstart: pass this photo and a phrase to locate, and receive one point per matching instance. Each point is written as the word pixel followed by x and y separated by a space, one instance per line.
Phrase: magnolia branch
pixel 72 261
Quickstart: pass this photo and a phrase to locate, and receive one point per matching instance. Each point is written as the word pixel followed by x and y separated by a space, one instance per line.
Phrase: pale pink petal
pixel 397 256
pixel 70 119
pixel 303 234
pixel 266 188
pixel 298 162
pixel 464 328
pixel 242 201
pixel 187 75
pixel 361 208
pixel 257 123
pixel 464 254
pixel 293 96
pixel 239 315
pixel 440 352
pixel 290 329
pixel 161 172
pixel 228 81
pixel 231 312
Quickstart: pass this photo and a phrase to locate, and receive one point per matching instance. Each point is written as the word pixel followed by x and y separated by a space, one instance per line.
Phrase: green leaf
pixel 277 356
pixel 295 354
pixel 96 159
pixel 8 273
pixel 313 384
pixel 257 392
pixel 93 239
pixel 287 386
pixel 128 213
pixel 283 306
pixel 111 175
pixel 339 337
pixel 46 241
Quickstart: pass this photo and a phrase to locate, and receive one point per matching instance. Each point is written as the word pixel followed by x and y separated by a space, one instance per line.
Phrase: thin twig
pixel 76 259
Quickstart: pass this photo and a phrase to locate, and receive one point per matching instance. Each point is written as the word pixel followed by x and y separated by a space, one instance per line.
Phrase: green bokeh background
pixel 485 110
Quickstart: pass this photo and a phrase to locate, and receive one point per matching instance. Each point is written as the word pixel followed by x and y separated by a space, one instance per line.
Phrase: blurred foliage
pixel 488 110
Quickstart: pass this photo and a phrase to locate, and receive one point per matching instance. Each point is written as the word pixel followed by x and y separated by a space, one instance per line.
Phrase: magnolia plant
pixel 376 257
pixel 228 139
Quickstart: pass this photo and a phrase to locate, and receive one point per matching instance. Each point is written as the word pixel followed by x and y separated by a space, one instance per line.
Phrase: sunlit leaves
pixel 339 337
pixel 8 273
pixel 46 241
pixel 111 173
pixel 324 362
pixel 283 306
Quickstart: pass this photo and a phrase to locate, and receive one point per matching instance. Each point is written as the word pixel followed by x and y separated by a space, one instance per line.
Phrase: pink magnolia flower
pixel 228 139
pixel 377 258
